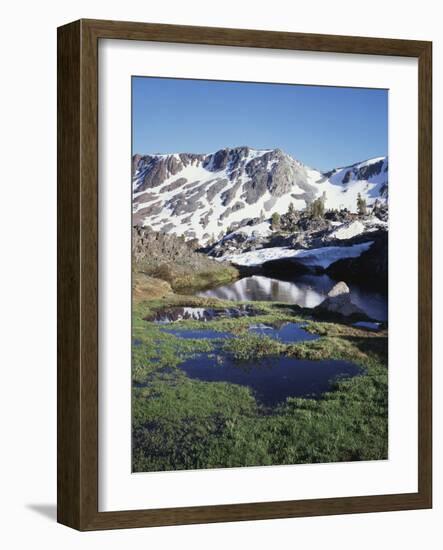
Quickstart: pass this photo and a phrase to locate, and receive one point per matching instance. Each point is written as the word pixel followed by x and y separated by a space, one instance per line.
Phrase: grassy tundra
pixel 184 423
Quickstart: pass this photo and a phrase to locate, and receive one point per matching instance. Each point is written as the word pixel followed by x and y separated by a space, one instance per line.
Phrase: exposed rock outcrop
pixel 370 268
pixel 174 260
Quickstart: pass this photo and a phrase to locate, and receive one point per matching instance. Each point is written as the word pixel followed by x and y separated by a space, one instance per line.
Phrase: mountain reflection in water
pixel 305 291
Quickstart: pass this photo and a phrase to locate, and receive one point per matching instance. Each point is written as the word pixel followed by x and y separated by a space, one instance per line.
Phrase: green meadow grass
pixel 182 423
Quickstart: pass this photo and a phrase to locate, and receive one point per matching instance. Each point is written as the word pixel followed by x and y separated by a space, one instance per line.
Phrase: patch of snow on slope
pixel 258 257
pixel 258 230
pixel 321 257
pixel 345 194
pixel 324 257
pixel 347 231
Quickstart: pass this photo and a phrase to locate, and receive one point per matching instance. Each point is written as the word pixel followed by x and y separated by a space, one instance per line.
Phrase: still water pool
pixel 272 379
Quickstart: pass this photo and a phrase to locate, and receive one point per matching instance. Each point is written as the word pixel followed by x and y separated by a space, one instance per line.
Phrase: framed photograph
pixel 244 275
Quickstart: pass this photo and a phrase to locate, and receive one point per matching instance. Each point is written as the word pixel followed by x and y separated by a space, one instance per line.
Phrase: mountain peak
pixel 203 195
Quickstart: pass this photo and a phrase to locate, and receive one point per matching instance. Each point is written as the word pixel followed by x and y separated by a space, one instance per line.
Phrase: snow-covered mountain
pixel 370 178
pixel 202 195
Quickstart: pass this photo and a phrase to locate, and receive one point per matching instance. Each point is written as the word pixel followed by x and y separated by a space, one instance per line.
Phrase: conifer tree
pixel 318 208
pixel 361 205
pixel 275 221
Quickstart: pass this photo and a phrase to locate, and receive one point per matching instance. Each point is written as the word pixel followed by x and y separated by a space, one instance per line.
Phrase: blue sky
pixel 324 127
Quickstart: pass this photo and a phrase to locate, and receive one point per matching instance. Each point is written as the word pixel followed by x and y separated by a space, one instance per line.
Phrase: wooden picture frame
pixel 78 274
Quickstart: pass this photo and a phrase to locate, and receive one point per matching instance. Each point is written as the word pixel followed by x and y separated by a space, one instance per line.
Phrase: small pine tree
pixel 262 216
pixel 275 221
pixel 361 205
pixel 291 209
pixel 318 208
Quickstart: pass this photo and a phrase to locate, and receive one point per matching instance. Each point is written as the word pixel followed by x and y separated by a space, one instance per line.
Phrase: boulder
pixel 339 288
pixel 339 301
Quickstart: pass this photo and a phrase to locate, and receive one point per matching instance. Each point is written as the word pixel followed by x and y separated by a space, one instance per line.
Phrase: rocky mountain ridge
pixel 205 196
